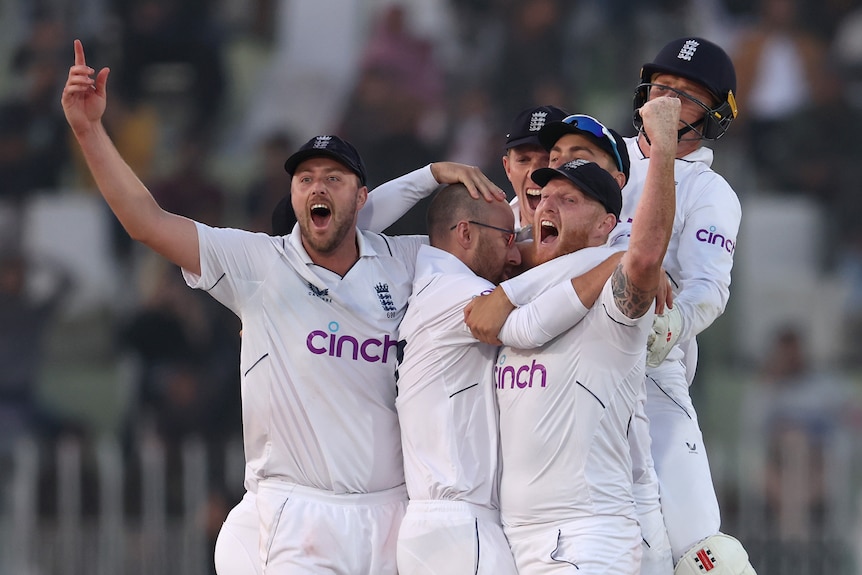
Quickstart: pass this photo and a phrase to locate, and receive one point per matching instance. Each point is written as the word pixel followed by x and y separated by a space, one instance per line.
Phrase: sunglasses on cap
pixel 592 126
pixel 510 234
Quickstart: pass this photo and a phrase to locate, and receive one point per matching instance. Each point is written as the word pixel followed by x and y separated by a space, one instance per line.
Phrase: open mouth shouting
pixel 534 196
pixel 321 214
pixel 548 232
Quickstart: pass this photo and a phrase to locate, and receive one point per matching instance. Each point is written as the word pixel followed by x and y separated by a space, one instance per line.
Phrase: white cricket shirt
pixel 700 253
pixel 318 354
pixel 565 410
pixel 446 401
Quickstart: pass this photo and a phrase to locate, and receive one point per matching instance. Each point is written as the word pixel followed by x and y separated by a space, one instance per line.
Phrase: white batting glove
pixel 666 328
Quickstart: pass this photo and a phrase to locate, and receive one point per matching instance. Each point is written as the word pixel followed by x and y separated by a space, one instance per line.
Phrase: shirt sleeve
pixel 233 263
pixel 522 289
pixel 389 201
pixel 705 254
pixel 553 312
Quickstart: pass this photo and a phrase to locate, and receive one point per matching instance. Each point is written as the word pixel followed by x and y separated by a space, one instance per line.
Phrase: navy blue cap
pixel 333 147
pixel 590 178
pixel 609 140
pixel 698 60
pixel 526 125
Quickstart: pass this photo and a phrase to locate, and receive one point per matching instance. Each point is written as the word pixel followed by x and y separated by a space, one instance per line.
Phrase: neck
pixel 339 260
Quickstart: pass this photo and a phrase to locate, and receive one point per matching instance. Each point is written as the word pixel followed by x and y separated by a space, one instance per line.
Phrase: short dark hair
pixel 449 206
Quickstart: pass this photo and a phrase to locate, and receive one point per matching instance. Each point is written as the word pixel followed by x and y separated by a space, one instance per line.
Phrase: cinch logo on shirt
pixel 521 376
pixel 329 343
pixel 711 237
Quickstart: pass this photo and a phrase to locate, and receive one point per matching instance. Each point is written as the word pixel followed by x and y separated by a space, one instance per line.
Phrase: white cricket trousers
pixel 600 545
pixel 237 546
pixel 453 538
pixel 688 501
pixel 305 530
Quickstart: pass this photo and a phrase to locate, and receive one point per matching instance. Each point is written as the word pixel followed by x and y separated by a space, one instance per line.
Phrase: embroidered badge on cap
pixel 537 120
pixel 322 142
pixel 688 49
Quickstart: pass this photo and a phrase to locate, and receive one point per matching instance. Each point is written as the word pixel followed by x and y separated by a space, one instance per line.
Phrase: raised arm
pixel 389 201
pixel 636 280
pixel 84 101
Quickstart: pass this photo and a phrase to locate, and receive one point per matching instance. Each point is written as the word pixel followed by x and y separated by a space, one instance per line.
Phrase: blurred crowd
pixel 209 97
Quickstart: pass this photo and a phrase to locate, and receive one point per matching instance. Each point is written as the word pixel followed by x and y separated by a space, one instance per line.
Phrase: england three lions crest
pixel 385 298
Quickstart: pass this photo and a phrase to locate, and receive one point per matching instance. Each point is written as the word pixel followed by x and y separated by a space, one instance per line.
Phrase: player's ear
pixel 620 178
pixel 361 197
pixel 464 234
pixel 607 224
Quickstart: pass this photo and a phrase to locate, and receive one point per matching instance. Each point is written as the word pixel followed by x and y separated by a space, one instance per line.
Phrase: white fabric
pixel 516 210
pixel 446 537
pixel 533 284
pixel 717 555
pixel 305 530
pixel 237 544
pixel 699 262
pixel 448 414
pixel 688 500
pixel 564 417
pixel 586 546
pixel 445 400
pixel 318 355
pixel 700 253
pixel 522 289
pixel 665 332
pixel 389 201
pixel 543 319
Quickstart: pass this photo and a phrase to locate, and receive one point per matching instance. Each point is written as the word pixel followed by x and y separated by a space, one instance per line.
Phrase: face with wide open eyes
pixel 520 162
pixel 326 197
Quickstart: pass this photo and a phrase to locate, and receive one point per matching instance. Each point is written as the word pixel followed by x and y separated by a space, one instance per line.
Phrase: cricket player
pixel 320 308
pixel 566 497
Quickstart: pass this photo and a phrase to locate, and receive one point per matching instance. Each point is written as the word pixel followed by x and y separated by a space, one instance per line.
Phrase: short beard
pixel 327 245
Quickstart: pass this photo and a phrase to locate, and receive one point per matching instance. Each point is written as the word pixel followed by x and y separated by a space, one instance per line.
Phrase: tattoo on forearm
pixel 631 300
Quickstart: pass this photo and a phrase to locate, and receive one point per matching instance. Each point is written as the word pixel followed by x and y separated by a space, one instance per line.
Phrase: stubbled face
pixel 520 162
pixel 494 257
pixel 566 220
pixel 326 198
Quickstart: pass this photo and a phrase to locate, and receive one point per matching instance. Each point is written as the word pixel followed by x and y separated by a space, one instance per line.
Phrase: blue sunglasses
pixel 592 126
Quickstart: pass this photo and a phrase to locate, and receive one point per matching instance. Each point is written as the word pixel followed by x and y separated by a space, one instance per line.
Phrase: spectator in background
pixel 532 52
pixel 268 189
pixel 781 71
pixel 397 95
pixel 188 189
pixel 185 348
pixel 799 418
pixel 156 32
pixel 25 321
pixel 33 151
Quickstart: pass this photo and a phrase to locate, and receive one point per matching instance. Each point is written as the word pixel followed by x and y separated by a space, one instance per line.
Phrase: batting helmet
pixel 703 62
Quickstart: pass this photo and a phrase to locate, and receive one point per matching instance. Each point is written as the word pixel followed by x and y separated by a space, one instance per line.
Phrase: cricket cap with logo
pixel 589 177
pixel 526 125
pixel 608 140
pixel 333 147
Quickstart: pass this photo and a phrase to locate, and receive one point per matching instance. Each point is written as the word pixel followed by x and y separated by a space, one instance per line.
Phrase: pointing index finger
pixel 79 54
